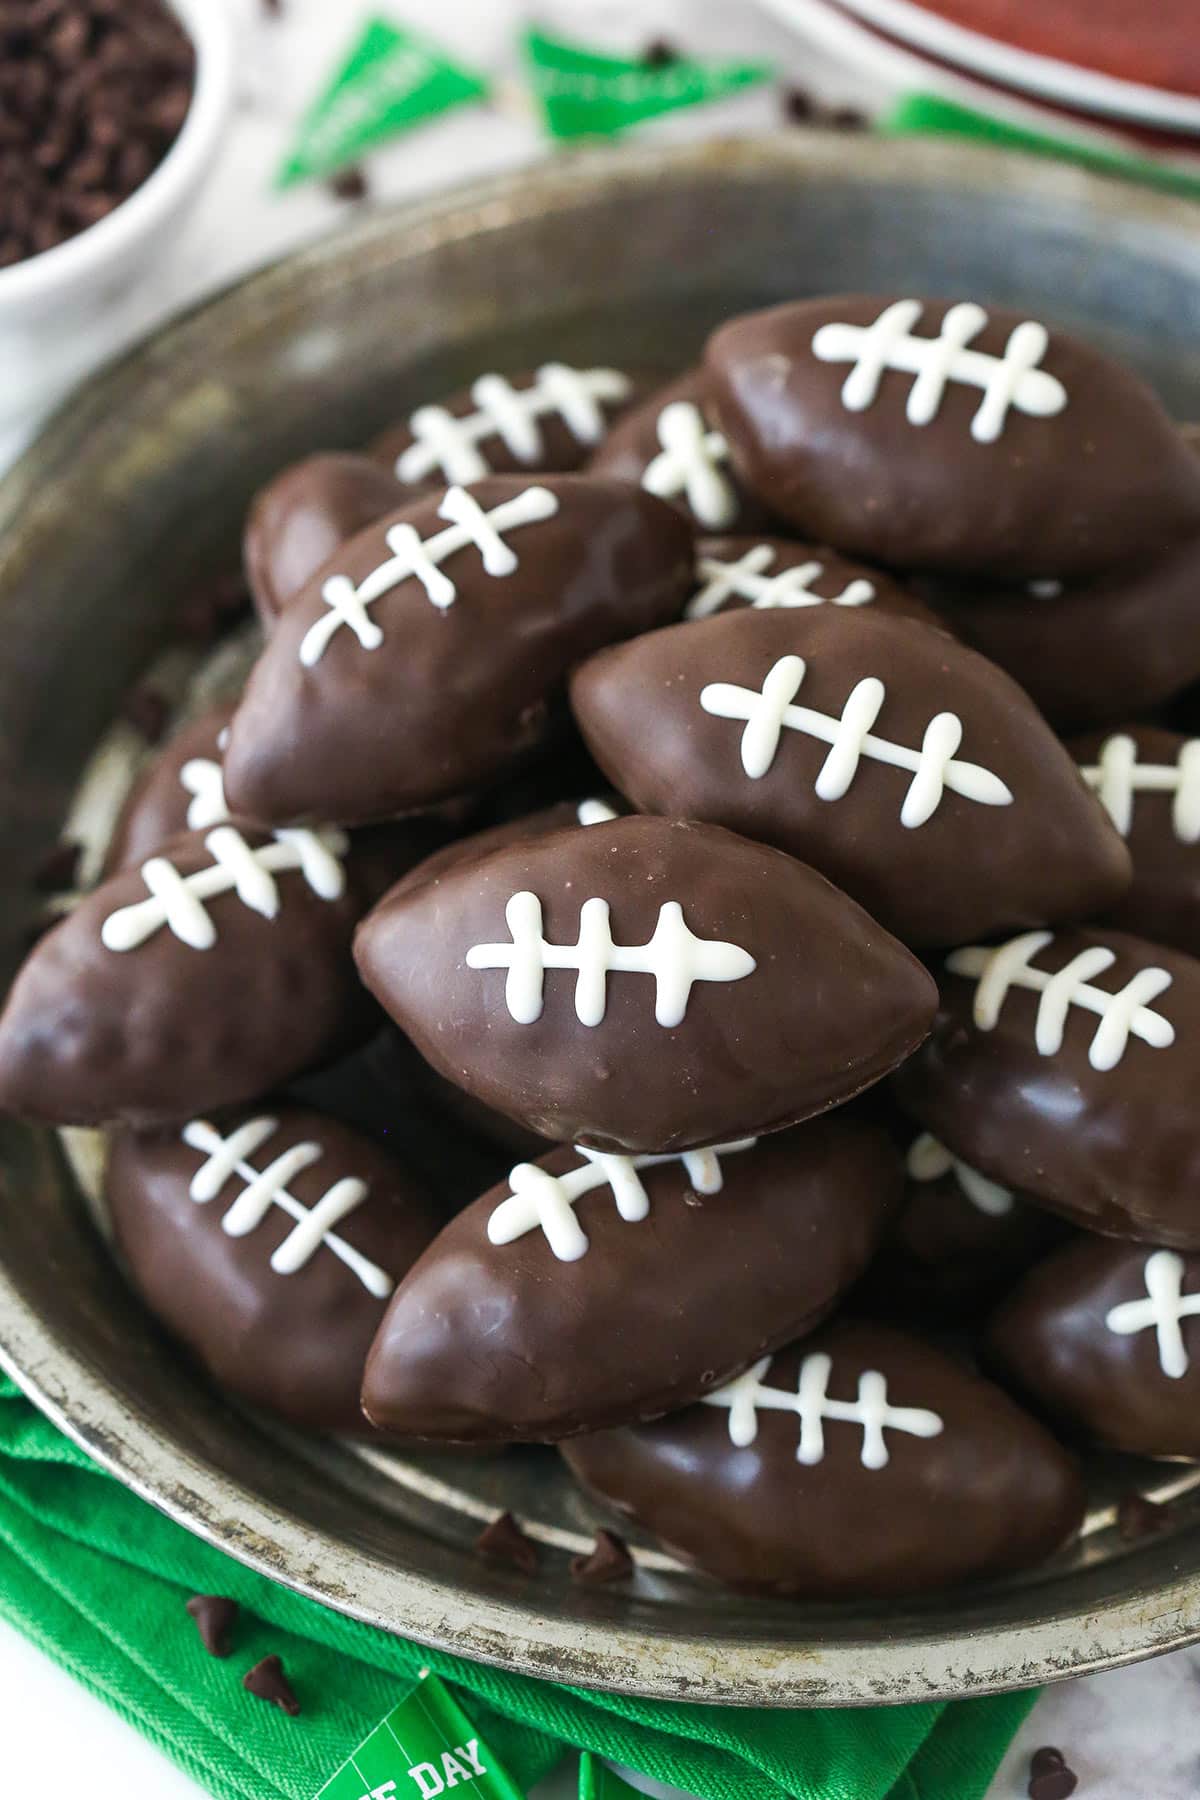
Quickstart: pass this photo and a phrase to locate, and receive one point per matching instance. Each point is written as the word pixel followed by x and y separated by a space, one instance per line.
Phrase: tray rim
pixel 945 1663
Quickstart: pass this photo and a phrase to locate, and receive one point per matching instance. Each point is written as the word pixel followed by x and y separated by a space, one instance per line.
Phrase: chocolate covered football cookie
pixel 1090 652
pixel 1148 781
pixel 669 446
pixel 645 985
pixel 270 1244
pixel 928 435
pixel 1067 1064
pixel 547 419
pixel 861 1461
pixel 301 517
pixel 903 766
pixel 589 1289
pixel 180 790
pixel 1105 1338
pixel 593 809
pixel 769 573
pixel 957 1241
pixel 215 970
pixel 430 655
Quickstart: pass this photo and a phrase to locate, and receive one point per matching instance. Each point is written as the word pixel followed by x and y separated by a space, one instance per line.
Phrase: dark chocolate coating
pixel 632 446
pixel 992 1492
pixel 507 1343
pixel 1164 902
pixel 1050 1339
pixel 832 1004
pixel 558 450
pixel 1100 651
pixel 163 1031
pixel 451 698
pixel 1106 478
pixel 945 1255
pixel 158 804
pixel 1118 1149
pixel 838 576
pixel 297 522
pixel 294 1343
pixel 561 816
pixel 969 870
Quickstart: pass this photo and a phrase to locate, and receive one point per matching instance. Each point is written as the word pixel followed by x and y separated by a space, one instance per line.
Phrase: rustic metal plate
pixel 138 486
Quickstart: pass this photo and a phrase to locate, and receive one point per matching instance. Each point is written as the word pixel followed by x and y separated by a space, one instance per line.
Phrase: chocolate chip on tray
pixel 606 1562
pixel 1138 1516
pixel 503 1541
pixel 92 96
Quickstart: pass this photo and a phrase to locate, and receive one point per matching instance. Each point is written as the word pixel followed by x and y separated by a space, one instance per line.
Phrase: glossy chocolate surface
pixel 967 869
pixel 163 802
pixel 767 572
pixel 831 1004
pixel 1052 493
pixel 299 519
pixel 992 1491
pixel 290 1339
pixel 450 697
pixel 1115 1148
pixel 1133 1385
pixel 498 1342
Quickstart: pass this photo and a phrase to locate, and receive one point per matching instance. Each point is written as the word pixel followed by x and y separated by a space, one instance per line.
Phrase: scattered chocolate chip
pixel 267 1681
pixel 147 711
pixel 608 1561
pixel 58 871
pixel 503 1541
pixel 798 106
pixel 215 1619
pixel 273 7
pixel 92 96
pixel 350 183
pixel 1049 1776
pixel 847 118
pixel 1139 1517
pixel 660 53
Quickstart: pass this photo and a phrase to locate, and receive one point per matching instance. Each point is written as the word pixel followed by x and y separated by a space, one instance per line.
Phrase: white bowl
pixel 51 304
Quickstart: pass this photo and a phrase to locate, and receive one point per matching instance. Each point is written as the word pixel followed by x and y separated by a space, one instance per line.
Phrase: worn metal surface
pixel 138 486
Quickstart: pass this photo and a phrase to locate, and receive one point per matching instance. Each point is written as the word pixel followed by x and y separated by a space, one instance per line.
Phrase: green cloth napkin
pixel 98 1579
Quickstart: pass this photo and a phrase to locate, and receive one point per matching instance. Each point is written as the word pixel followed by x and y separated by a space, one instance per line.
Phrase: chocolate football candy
pixel 958 1239
pixel 180 790
pixel 593 809
pixel 767 573
pixel 1065 1064
pixel 669 446
pixel 900 764
pixel 1094 652
pixel 645 985
pixel 550 418
pixel 1148 781
pixel 217 969
pixel 925 435
pixel 589 1290
pixel 429 655
pixel 860 1461
pixel 270 1244
pixel 1104 1338
pixel 301 517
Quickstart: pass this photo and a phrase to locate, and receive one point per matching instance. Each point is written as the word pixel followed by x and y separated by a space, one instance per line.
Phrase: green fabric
pixel 98 1579
pixel 929 113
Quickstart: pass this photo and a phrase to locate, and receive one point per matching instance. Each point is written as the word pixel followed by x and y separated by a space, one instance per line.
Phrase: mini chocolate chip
pixel 58 871
pixel 848 118
pixel 349 183
pixel 608 1561
pixel 267 1681
pixel 503 1541
pixel 147 711
pixel 215 1618
pixel 660 53
pixel 1139 1517
pixel 1049 1776
pixel 798 105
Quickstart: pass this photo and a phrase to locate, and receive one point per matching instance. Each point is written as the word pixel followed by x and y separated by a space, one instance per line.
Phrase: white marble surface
pixel 1131 1735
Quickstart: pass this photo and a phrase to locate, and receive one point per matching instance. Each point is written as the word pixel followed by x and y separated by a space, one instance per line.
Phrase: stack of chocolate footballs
pixel 679 770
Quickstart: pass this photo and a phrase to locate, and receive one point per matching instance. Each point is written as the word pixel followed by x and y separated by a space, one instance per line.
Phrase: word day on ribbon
pixel 426 1747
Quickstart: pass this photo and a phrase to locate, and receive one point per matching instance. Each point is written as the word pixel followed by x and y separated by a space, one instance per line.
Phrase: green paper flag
pixel 597 1781
pixel 424 1749
pixel 390 81
pixel 583 94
